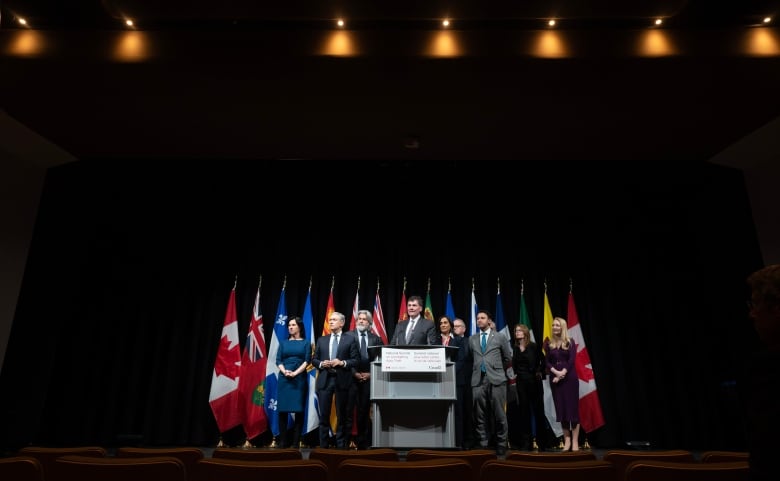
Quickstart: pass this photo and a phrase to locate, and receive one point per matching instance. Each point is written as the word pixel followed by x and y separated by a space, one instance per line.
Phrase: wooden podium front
pixel 413 409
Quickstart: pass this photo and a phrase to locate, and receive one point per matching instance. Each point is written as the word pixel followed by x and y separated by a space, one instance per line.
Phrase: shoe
pixel 501 450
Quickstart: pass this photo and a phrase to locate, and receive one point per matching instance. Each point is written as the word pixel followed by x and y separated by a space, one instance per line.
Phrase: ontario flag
pixel 379 319
pixel 591 416
pixel 224 396
pixel 251 385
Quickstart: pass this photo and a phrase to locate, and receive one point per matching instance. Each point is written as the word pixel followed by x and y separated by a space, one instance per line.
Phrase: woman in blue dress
pixel 560 354
pixel 292 359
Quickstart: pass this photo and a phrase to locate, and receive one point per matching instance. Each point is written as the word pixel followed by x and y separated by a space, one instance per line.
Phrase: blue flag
pixel 311 416
pixel 450 309
pixel 272 369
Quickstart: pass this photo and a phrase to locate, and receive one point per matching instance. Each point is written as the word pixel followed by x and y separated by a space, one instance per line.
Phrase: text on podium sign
pixel 413 360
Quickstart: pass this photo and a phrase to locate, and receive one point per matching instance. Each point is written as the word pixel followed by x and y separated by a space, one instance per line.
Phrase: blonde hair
pixel 563 341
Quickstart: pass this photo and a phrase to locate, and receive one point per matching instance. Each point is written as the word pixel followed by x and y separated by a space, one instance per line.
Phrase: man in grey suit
pixel 417 330
pixel 490 353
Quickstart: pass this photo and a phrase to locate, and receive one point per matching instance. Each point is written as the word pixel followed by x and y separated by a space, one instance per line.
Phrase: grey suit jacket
pixel 424 333
pixel 497 355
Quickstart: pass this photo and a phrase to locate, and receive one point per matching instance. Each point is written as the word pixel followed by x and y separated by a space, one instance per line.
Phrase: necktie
pixel 334 347
pixel 409 332
pixel 363 345
pixel 484 345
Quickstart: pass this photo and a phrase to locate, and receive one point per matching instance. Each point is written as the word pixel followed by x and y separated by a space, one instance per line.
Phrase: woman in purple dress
pixel 560 353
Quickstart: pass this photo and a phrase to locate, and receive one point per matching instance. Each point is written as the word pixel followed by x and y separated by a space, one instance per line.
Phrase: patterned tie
pixel 409 332
pixel 363 346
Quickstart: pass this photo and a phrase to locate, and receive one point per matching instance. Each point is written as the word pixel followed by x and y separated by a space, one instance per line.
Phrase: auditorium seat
pixel 257 454
pixel 333 457
pixel 21 468
pixel 592 470
pixel 47 456
pixel 434 469
pixel 153 468
pixel 723 456
pixel 551 456
pixel 622 457
pixel 188 455
pixel 227 469
pixel 476 457
pixel 657 470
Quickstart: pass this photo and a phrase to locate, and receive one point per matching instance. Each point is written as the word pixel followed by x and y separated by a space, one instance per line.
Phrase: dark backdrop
pixel 131 265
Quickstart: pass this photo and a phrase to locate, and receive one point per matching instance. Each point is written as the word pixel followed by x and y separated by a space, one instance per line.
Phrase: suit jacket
pixel 497 355
pixel 364 365
pixel 424 333
pixel 348 351
pixel 462 368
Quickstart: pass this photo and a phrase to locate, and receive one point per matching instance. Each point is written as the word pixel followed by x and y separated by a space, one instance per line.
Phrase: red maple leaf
pixel 227 362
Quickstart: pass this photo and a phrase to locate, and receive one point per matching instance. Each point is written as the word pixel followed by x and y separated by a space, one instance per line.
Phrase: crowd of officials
pixel 498 380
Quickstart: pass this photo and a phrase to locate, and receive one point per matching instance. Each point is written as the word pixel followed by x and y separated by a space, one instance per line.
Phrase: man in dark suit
pixel 463 428
pixel 360 391
pixel 490 353
pixel 334 357
pixel 417 330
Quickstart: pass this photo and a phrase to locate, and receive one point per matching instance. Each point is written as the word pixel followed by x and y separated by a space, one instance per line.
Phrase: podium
pixel 413 409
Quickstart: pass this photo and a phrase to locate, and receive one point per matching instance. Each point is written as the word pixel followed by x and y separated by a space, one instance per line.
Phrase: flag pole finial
pixel 284 283
pixel 571 285
pixel 311 279
pixel 429 284
pixel 358 283
pixel 404 283
pixel 449 284
pixel 235 281
pixel 377 283
pixel 498 284
pixel 522 286
pixel 332 282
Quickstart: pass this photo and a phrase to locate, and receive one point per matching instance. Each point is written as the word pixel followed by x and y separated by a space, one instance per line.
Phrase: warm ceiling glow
pixel 129 22
pixel 551 23
pixel 655 43
pixel 444 44
pixel 132 47
pixel 767 19
pixel 26 43
pixel 762 42
pixel 445 23
pixel 550 44
pixel 340 22
pixel 659 21
pixel 22 21
pixel 340 43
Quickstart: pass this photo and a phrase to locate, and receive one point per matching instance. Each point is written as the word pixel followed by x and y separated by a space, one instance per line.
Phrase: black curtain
pixel 131 266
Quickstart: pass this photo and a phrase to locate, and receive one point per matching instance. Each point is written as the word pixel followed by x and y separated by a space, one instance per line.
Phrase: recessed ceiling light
pixel 340 22
pixel 658 21
pixel 445 23
pixel 551 22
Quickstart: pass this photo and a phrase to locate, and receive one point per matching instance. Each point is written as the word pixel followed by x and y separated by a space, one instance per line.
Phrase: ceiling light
pixel 340 23
pixel 22 21
pixel 129 22
pixel 445 23
pixel 658 22
pixel 551 22
pixel 767 19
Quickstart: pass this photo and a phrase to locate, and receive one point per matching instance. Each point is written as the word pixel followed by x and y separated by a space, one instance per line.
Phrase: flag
pixel 252 381
pixel 224 397
pixel 524 318
pixel 428 313
pixel 379 319
pixel 501 325
pixel 591 417
pixel 402 314
pixel 272 370
pixel 549 406
pixel 474 309
pixel 311 416
pixel 355 309
pixel 449 310
pixel 325 331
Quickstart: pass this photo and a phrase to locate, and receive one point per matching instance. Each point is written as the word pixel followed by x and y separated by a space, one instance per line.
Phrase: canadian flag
pixel 591 417
pixel 224 396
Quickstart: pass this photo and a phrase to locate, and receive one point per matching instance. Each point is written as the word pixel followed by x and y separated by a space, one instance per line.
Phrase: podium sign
pixel 413 360
pixel 413 396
